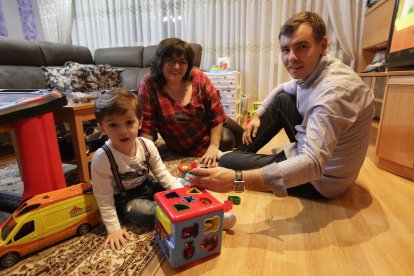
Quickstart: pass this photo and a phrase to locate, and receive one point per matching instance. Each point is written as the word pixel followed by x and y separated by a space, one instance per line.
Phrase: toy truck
pixel 188 225
pixel 45 219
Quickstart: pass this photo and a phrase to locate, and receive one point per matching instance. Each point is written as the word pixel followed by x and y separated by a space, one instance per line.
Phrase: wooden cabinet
pixel 395 140
pixel 375 39
pixel 376 30
pixel 393 123
pixel 377 84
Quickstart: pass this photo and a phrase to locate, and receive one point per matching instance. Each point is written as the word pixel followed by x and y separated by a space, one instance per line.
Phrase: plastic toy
pixel 236 200
pixel 188 225
pixel 255 106
pixel 30 112
pixel 46 219
pixel 186 170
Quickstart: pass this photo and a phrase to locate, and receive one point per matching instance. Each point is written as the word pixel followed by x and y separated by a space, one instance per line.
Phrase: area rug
pixel 86 255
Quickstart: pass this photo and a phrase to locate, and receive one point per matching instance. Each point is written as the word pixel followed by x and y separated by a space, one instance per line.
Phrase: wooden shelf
pixel 74 161
pixel 376 31
pixel 373 74
pixel 75 115
pixel 400 73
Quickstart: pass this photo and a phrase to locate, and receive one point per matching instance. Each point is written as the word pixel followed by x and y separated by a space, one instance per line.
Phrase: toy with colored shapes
pixel 186 170
pixel 188 225
pixel 46 219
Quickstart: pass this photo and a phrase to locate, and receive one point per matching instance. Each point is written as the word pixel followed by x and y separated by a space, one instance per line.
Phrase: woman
pixel 181 103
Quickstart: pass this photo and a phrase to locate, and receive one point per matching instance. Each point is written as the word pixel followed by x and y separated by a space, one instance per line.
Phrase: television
pixel 400 51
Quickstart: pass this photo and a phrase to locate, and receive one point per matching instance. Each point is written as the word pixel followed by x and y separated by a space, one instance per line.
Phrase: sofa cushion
pixel 56 54
pixel 131 76
pixel 19 52
pixel 21 77
pixel 120 56
pixel 82 77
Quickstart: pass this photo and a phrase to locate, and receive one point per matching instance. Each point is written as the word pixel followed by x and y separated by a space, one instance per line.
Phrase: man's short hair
pixel 293 23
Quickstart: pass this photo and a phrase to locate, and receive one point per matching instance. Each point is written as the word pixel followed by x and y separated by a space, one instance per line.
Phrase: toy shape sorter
pixel 188 224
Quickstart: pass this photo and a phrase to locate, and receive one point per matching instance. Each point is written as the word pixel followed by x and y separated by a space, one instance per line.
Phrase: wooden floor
pixel 368 231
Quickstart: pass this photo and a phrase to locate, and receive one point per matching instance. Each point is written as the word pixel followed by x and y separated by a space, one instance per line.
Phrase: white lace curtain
pixel 56 17
pixel 244 30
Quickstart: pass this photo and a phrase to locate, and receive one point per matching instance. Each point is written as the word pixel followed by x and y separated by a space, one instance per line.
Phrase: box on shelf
pixel 228 84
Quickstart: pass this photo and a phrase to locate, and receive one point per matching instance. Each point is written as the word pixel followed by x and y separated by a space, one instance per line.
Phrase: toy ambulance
pixel 46 219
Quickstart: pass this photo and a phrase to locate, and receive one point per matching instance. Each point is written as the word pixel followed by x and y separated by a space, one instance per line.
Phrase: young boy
pixel 119 116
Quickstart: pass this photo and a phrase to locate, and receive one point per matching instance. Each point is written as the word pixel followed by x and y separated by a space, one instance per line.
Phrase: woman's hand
pixel 117 239
pixel 216 179
pixel 251 130
pixel 210 157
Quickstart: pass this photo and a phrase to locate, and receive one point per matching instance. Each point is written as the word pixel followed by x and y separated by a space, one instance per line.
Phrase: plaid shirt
pixel 185 129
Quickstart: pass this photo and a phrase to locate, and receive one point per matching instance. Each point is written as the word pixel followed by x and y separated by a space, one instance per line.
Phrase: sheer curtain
pixel 347 17
pixel 56 17
pixel 244 30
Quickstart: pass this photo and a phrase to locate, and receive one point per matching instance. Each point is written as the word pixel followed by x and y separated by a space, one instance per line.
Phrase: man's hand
pixel 117 239
pixel 251 129
pixel 215 179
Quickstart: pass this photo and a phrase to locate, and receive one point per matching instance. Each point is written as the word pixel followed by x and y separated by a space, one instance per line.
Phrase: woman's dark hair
pixel 293 23
pixel 166 49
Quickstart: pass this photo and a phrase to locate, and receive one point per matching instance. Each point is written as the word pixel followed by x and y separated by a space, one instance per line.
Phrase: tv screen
pixel 400 53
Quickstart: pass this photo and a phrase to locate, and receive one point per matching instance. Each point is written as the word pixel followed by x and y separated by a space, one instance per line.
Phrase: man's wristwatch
pixel 239 182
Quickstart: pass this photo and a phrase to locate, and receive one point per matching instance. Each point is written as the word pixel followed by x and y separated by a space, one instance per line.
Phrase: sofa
pixel 21 61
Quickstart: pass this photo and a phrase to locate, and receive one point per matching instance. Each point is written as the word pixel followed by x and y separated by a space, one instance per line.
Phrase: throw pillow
pixel 82 77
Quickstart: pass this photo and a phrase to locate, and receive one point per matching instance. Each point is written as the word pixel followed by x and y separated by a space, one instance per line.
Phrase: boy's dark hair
pixel 166 49
pixel 293 23
pixel 116 102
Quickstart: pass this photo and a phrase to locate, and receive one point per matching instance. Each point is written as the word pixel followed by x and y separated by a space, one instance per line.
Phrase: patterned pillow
pixel 82 77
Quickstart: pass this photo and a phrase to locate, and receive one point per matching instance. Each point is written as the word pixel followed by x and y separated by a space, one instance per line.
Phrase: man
pixel 326 111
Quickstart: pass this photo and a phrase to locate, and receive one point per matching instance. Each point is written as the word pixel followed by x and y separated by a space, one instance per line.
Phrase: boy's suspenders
pixel 114 166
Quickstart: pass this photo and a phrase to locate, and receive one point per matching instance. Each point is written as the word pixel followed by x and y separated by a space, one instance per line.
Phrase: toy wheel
pixel 83 229
pixel 9 259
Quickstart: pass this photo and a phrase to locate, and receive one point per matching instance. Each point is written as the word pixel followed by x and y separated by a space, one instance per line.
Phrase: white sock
pixel 229 220
pixel 220 154
pixel 276 150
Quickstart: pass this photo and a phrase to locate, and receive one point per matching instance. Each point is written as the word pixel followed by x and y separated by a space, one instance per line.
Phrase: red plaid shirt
pixel 185 129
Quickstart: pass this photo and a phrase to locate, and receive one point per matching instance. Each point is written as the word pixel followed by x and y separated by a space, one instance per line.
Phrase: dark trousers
pixel 231 136
pixel 137 205
pixel 282 114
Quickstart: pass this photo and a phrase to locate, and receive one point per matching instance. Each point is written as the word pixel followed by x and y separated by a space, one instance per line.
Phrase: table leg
pixel 79 147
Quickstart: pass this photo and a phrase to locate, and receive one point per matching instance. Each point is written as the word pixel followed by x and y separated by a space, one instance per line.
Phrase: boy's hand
pixel 117 239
